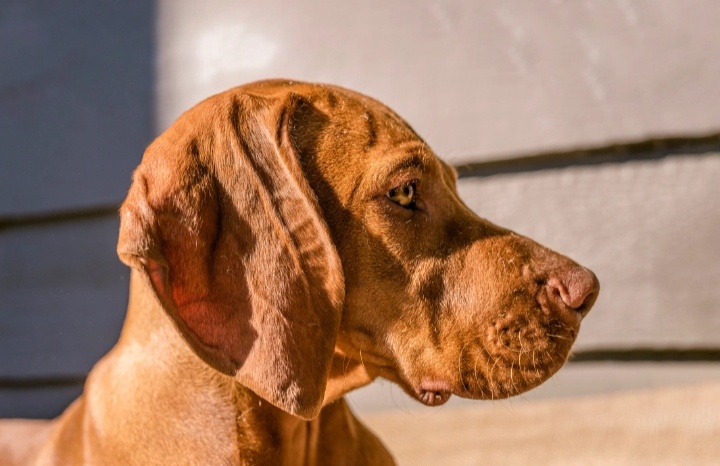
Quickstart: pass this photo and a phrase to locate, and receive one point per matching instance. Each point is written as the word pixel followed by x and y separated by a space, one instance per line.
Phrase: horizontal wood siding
pixel 506 92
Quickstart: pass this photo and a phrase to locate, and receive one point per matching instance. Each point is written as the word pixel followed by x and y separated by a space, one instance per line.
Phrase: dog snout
pixel 574 287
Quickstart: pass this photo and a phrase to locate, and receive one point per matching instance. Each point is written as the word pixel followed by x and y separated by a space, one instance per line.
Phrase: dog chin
pixel 508 381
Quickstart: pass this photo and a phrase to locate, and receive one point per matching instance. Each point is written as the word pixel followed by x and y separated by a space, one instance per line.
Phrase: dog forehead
pixel 341 105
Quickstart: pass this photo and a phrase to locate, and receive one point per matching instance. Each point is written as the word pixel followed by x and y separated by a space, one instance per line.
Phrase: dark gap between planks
pixel 646 149
pixel 580 357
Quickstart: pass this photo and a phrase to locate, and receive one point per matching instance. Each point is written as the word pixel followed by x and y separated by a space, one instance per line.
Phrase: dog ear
pixel 223 223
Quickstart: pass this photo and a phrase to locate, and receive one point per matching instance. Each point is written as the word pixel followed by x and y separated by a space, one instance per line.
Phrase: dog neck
pixel 147 322
pixel 203 406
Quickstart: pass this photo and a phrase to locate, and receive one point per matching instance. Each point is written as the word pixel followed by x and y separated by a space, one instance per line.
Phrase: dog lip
pixel 433 392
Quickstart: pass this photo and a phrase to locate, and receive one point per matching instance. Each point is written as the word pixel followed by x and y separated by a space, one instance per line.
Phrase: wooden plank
pixel 64 296
pixel 476 79
pixel 76 94
pixel 650 231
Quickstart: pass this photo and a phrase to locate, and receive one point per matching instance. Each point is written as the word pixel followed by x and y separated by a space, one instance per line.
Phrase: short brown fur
pixel 273 272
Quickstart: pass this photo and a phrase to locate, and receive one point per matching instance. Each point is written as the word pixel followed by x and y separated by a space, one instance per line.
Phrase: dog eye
pixel 404 195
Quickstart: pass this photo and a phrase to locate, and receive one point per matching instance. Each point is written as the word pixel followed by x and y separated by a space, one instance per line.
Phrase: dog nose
pixel 576 286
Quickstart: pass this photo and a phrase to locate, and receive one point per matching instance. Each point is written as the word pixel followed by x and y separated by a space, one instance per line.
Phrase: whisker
pixel 559 337
pixel 512 380
pixel 362 362
pixel 491 382
pixel 460 371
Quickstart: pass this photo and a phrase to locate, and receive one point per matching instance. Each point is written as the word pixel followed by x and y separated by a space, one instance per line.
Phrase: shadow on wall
pixel 77 100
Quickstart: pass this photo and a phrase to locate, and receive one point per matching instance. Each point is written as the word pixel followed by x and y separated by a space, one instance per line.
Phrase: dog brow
pixel 379 175
pixel 418 160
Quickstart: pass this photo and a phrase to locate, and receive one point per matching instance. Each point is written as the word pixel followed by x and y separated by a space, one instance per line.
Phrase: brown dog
pixel 290 242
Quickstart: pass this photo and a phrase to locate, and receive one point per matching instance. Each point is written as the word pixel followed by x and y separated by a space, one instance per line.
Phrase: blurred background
pixel 591 126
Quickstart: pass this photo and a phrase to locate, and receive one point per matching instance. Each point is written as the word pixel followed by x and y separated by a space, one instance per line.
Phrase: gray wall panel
pixel 476 79
pixel 76 101
pixel 64 296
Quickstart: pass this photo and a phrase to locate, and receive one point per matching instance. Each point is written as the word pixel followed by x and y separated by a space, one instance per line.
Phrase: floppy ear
pixel 227 230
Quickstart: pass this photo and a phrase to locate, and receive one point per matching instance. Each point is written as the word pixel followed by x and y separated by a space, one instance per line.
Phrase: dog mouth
pixel 509 355
pixel 504 366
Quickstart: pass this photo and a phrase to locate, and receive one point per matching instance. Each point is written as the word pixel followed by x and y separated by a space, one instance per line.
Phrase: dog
pixel 290 242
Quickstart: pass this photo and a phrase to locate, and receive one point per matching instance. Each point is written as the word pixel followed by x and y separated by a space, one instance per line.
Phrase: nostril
pixel 577 286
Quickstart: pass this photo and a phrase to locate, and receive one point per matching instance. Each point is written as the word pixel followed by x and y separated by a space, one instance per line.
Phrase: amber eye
pixel 404 195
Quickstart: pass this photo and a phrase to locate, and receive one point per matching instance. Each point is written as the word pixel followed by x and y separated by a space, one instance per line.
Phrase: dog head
pixel 292 229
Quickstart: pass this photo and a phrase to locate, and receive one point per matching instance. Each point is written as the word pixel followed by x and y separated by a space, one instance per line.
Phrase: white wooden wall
pixel 589 126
